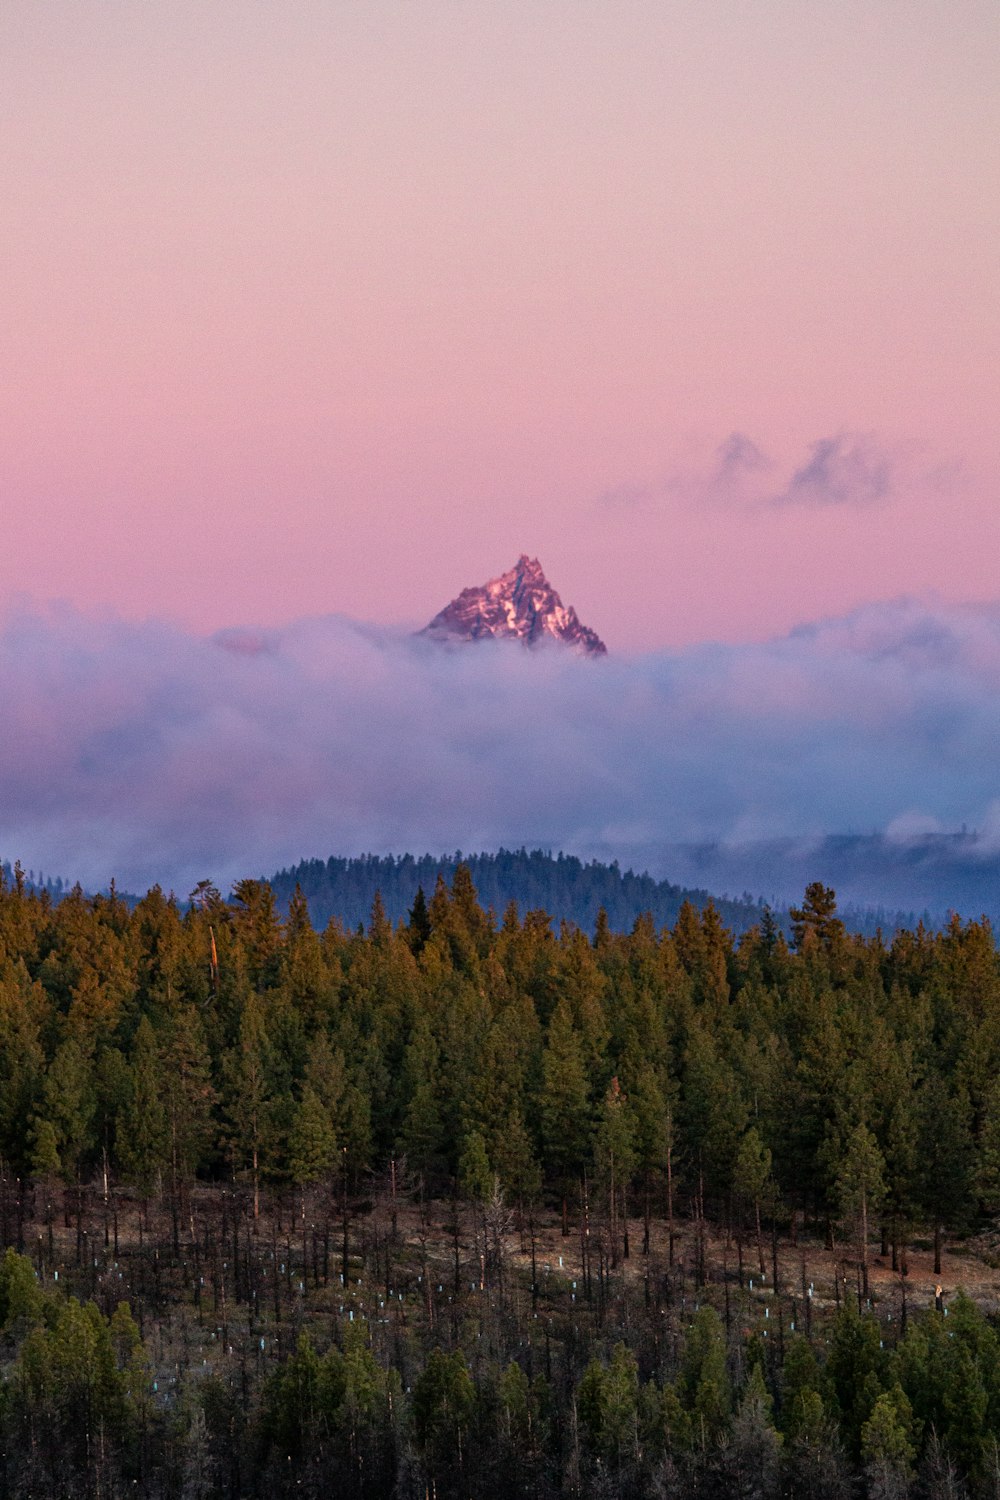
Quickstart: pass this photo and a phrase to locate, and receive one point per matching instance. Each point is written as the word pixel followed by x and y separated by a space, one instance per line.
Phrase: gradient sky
pixel 339 305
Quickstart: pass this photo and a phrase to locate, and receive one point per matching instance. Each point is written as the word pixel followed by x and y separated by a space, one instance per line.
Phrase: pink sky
pixel 336 306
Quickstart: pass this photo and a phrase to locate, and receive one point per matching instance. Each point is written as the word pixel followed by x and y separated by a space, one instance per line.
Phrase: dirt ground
pixel 972 1265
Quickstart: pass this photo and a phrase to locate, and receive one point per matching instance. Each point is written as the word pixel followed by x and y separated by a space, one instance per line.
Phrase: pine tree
pixel 69 1104
pixel 887 1449
pixel 189 1096
pixel 419 929
pixel 705 1383
pixel 749 1461
pixel 379 926
pixel 860 1188
pixel 615 1160
pixel 249 1095
pixel 602 931
pixel 422 1135
pixel 259 931
pixel 21 1061
pixel 312 1145
pixel 143 1133
pixel 946 1159
pixel 815 924
pixel 517 1165
pixel 564 1104
pixel 751 1176
pixel 475 1175
pixel 443 1407
pixel 44 1160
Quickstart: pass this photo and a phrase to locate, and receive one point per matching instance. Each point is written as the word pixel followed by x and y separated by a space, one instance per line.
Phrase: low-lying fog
pixel 146 753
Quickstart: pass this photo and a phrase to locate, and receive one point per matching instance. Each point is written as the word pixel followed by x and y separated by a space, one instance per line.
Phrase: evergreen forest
pixel 568 888
pixel 456 1205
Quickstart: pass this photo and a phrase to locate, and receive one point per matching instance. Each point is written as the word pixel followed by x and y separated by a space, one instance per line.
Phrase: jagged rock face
pixel 519 605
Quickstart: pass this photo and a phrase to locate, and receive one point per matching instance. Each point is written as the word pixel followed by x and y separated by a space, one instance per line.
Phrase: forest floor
pixel 253 1286
pixel 971 1265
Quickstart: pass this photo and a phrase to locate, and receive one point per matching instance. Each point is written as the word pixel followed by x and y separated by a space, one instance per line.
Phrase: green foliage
pixel 22 1301
pixel 142 1126
pixel 312 1145
pixel 43 1155
pixel 608 1405
pixel 146 1049
pixel 887 1446
pixel 517 1164
pixel 80 1380
pixel 815 925
pixel 564 1103
pixel 857 1370
pixel 615 1155
pixel 476 1177
pixel 442 1409
pixel 705 1382
pixel 752 1168
pixel 69 1101
pixel 860 1183
pixel 841 1077
pixel 248 1069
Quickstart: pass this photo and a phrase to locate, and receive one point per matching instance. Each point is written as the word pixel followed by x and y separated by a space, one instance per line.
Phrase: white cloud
pixel 146 753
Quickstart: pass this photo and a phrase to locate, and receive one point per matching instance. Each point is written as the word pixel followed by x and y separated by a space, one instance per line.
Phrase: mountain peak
pixel 521 605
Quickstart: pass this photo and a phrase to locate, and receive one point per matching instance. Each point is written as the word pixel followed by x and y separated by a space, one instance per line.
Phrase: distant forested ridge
pixel 565 887
pixel 55 888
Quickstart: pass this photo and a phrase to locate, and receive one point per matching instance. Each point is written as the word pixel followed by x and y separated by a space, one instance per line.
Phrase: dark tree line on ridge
pixel 216 1116
pixel 568 888
pixel 563 885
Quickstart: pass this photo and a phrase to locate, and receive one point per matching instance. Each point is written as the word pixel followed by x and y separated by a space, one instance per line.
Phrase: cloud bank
pixel 145 753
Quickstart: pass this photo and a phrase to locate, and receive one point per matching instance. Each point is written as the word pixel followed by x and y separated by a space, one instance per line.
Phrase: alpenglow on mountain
pixel 519 605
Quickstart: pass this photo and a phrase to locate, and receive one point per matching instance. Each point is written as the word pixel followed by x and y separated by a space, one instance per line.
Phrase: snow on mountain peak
pixel 519 605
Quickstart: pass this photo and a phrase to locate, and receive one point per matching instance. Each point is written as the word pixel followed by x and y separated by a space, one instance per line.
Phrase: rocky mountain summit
pixel 519 605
